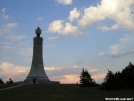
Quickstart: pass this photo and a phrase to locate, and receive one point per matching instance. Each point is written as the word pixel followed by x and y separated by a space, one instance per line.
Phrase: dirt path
pixel 11 87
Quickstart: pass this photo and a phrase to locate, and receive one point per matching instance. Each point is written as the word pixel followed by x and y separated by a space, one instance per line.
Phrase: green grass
pixel 60 92
pixel 6 85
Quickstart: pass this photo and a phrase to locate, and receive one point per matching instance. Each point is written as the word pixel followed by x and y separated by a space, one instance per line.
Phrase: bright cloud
pixel 70 79
pixel 19 73
pixel 68 29
pixel 51 68
pixel 119 11
pixel 75 66
pixel 54 38
pixel 64 2
pixel 56 26
pixel 99 77
pixel 73 30
pixel 15 72
pixel 76 78
pixel 74 14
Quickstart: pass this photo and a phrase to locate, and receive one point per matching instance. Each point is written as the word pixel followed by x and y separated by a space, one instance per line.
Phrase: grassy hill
pixel 60 92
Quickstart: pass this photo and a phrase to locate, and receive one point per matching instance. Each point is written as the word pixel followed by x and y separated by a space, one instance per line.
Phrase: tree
pixel 10 81
pixel 109 81
pixel 119 80
pixel 1 82
pixel 85 79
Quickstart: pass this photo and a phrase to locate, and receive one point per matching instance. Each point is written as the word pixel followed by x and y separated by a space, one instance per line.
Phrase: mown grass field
pixel 60 92
pixel 6 85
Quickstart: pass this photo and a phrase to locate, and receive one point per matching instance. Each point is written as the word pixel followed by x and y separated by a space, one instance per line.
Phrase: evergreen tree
pixel 85 79
pixel 109 81
pixel 119 80
pixel 1 82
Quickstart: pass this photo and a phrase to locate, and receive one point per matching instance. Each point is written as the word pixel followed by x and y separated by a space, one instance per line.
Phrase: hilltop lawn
pixel 60 92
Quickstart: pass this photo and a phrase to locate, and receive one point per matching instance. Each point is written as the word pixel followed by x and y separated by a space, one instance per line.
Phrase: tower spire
pixel 38 31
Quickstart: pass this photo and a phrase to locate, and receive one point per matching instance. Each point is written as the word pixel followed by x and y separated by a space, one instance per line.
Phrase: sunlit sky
pixel 93 34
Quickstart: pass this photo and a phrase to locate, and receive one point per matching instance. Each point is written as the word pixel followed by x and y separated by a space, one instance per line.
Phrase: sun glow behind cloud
pixel 19 73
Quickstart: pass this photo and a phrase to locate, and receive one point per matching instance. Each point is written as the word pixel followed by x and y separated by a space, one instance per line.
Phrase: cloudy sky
pixel 93 34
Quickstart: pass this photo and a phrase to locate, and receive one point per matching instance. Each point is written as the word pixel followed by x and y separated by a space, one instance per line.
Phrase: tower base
pixel 37 80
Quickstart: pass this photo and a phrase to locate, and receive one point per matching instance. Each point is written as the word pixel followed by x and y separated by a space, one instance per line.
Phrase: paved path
pixel 11 87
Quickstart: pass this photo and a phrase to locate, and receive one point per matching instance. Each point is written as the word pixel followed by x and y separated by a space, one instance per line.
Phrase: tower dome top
pixel 38 31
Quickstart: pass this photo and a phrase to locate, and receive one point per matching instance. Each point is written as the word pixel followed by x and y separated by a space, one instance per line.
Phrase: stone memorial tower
pixel 37 73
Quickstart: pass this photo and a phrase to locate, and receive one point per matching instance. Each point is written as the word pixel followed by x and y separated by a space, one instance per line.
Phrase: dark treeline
pixel 112 81
pixel 119 80
pixel 10 81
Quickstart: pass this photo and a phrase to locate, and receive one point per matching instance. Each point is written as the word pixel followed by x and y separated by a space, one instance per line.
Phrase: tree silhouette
pixel 120 80
pixel 10 81
pixel 1 82
pixel 109 81
pixel 85 79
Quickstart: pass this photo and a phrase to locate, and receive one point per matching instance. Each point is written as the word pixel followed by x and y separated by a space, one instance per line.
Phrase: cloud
pixel 5 16
pixel 51 68
pixel 20 48
pixel 73 30
pixel 15 72
pixel 15 37
pixel 105 28
pixel 101 53
pixel 75 66
pixel 56 26
pixel 99 77
pixel 76 78
pixel 121 12
pixel 70 79
pixel 54 38
pixel 64 2
pixel 74 14
pixel 11 25
pixel 3 10
pixel 124 46
pixel 40 18
pixel 6 45
pixel 116 10
pixel 68 29
pixel 60 71
pixel 67 79
pixel 7 28
pixel 71 74
pixel 119 54
pixel 64 75
pixel 92 70
pixel 1 70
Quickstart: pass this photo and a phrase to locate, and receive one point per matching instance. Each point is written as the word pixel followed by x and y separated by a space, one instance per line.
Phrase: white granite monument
pixel 37 73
